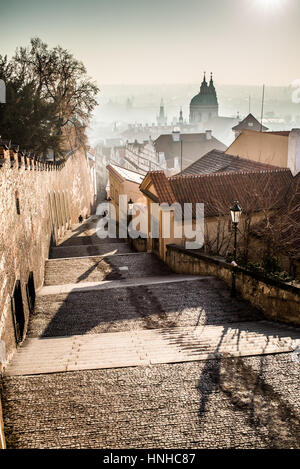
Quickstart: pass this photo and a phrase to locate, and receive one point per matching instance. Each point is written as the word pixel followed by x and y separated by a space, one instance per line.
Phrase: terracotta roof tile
pixel 254 190
pixel 162 187
pixel 218 161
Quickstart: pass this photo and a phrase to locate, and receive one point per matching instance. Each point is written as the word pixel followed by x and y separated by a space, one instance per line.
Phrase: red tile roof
pixel 218 161
pixel 162 187
pixel 255 190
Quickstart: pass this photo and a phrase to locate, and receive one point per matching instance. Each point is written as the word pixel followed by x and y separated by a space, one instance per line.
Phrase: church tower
pixel 161 118
pixel 204 106
pixel 180 122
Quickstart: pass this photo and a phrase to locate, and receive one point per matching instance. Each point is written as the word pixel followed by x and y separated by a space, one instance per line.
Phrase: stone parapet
pixel 277 300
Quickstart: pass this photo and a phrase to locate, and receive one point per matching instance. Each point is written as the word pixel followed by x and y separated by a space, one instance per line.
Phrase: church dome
pixel 207 95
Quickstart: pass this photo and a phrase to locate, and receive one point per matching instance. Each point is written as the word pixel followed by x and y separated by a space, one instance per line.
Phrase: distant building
pixel 91 158
pixel 180 150
pixel 129 104
pixel 204 106
pixel 275 148
pixel 103 156
pixel 122 181
pixel 249 123
pixel 180 121
pixel 147 132
pixel 140 157
pixel 204 113
pixel 162 118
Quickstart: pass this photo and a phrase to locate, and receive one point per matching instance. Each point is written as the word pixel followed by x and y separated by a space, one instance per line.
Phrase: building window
pixel 18 312
pixel 17 203
pixel 30 291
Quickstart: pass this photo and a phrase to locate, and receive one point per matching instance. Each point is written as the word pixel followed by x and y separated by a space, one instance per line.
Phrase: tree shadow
pixel 108 272
pixel 164 305
pixel 274 421
pixel 79 238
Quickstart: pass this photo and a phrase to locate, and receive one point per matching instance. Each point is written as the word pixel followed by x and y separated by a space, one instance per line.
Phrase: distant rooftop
pixel 194 146
pixel 284 133
pixel 218 161
pixel 251 123
pixel 127 174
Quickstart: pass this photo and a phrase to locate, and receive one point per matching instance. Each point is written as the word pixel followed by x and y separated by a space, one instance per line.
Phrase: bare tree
pixel 58 81
pixel 271 214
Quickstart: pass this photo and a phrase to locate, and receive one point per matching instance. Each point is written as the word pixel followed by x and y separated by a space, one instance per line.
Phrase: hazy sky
pixel 164 41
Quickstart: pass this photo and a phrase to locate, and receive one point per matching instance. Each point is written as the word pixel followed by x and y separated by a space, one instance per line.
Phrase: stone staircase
pixel 122 353
pixel 127 309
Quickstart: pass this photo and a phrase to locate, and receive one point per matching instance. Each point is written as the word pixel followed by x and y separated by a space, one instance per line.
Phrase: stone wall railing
pixel 277 300
pixel 11 156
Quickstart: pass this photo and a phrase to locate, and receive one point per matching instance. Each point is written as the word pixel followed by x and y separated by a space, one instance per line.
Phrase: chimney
pixel 208 134
pixel 294 152
pixel 176 134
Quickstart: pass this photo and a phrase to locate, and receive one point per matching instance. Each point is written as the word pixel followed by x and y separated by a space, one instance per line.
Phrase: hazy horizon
pixel 135 42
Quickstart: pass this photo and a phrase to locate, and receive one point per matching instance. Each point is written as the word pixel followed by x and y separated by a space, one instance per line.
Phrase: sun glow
pixel 269 4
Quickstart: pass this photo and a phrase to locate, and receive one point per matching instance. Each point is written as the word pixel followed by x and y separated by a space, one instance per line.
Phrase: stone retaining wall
pixel 2 437
pixel 38 202
pixel 277 300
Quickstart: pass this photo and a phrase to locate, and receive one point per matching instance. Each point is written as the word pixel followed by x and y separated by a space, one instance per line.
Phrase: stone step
pixel 150 304
pixel 144 348
pixel 115 284
pixel 89 250
pixel 97 269
pixel 84 239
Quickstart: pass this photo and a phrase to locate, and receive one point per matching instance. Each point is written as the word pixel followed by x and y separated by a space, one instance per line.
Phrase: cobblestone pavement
pixel 148 347
pixel 151 306
pixel 242 402
pixel 96 269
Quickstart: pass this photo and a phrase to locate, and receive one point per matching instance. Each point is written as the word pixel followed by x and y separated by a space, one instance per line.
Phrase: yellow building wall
pixel 131 189
pixel 262 147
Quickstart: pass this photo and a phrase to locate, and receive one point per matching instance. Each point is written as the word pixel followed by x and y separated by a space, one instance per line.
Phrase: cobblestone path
pixel 121 353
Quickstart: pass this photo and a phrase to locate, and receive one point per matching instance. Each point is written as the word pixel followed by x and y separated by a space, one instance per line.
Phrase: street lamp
pixel 235 212
pixel 130 208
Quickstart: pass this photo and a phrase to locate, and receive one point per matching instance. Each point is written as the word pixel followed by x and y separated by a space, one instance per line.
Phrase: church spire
pixel 181 116
pixel 211 87
pixel 204 86
pixel 161 118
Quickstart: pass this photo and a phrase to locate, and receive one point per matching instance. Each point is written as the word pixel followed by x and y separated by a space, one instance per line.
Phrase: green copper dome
pixel 207 95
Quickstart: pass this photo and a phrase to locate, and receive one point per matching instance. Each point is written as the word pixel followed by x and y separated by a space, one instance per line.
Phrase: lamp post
pixel 181 143
pixel 235 212
pixel 130 207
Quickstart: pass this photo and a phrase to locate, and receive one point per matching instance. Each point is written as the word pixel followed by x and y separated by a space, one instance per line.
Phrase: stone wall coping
pixel 28 160
pixel 226 265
